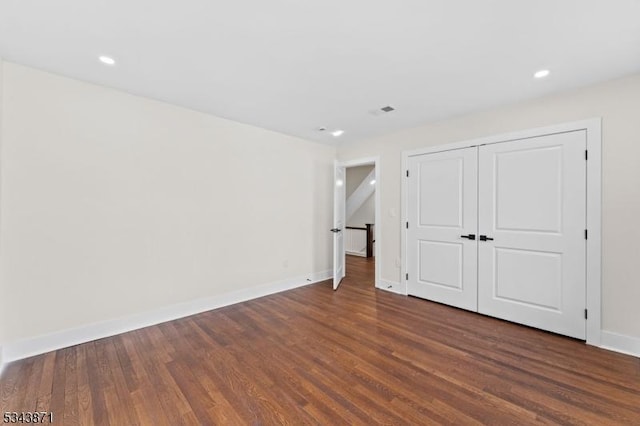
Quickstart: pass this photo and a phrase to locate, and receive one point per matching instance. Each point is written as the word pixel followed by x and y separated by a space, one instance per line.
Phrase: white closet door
pixel 532 198
pixel 442 197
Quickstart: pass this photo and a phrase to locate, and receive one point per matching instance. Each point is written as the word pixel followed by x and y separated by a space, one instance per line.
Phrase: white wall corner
pixel 1 355
pixel 620 343
pixel 65 338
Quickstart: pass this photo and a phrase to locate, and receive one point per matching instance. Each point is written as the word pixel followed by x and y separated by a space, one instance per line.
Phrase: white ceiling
pixel 294 65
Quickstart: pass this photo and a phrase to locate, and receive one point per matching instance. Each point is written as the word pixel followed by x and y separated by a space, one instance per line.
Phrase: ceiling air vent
pixel 382 111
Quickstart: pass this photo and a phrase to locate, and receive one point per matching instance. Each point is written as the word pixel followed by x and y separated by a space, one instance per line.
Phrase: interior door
pixel 338 225
pixel 442 222
pixel 532 211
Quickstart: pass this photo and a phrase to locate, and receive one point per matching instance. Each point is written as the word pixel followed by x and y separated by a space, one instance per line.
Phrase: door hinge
pixel 586 315
pixel 406 277
pixel 586 154
pixel 407 225
pixel 407 173
pixel 586 234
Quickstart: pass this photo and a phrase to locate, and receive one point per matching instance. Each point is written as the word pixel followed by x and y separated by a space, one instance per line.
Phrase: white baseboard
pixel 34 346
pixel 620 343
pixel 393 287
pixel 355 253
pixel 38 345
pixel 609 340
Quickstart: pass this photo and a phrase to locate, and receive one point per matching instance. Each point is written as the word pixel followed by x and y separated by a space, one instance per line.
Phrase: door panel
pixel 529 277
pixel 528 185
pixel 339 201
pixel 532 202
pixel 441 180
pixel 441 265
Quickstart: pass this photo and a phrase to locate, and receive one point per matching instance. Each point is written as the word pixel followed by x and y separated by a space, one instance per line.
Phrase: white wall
pixel 366 213
pixel 3 324
pixel 618 103
pixel 354 177
pixel 115 205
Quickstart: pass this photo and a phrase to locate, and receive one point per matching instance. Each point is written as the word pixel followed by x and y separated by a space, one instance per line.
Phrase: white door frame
pixel 375 161
pixel 593 128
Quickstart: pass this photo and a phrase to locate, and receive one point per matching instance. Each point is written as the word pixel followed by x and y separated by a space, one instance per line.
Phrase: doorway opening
pixel 360 218
pixel 357 202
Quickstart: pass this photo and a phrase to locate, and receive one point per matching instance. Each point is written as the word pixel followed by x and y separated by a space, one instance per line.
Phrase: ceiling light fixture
pixel 373 182
pixel 337 133
pixel 107 60
pixel 541 74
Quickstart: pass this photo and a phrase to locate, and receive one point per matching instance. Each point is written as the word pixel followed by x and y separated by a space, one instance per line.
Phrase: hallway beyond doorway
pixel 361 271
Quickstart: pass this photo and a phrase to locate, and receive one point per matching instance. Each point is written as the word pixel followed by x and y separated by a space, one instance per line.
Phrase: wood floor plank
pixel 314 356
pixel 30 396
pixel 269 383
pixel 71 405
pixel 24 386
pixel 45 385
pixel 126 365
pixel 85 404
pixel 175 407
pixel 58 386
pixel 16 388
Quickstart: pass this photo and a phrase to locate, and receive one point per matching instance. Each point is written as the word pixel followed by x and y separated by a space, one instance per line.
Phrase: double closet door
pixel 500 229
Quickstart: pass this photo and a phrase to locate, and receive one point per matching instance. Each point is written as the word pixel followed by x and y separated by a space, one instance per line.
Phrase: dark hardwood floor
pixel 314 356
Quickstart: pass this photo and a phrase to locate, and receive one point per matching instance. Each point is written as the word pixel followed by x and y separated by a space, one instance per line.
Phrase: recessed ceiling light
pixel 108 60
pixel 541 74
pixel 373 182
pixel 337 133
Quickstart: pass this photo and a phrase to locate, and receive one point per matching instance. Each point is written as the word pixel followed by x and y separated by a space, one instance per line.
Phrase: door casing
pixel 593 128
pixel 375 161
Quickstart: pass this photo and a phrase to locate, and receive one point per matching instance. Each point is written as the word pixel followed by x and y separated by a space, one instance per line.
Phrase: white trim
pixel 404 218
pixel 70 337
pixel 593 124
pixel 392 287
pixel 375 161
pixel 594 227
pixel 593 128
pixel 620 343
pixel 355 253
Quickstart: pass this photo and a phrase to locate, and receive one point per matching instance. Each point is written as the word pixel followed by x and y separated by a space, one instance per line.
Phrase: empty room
pixel 323 212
